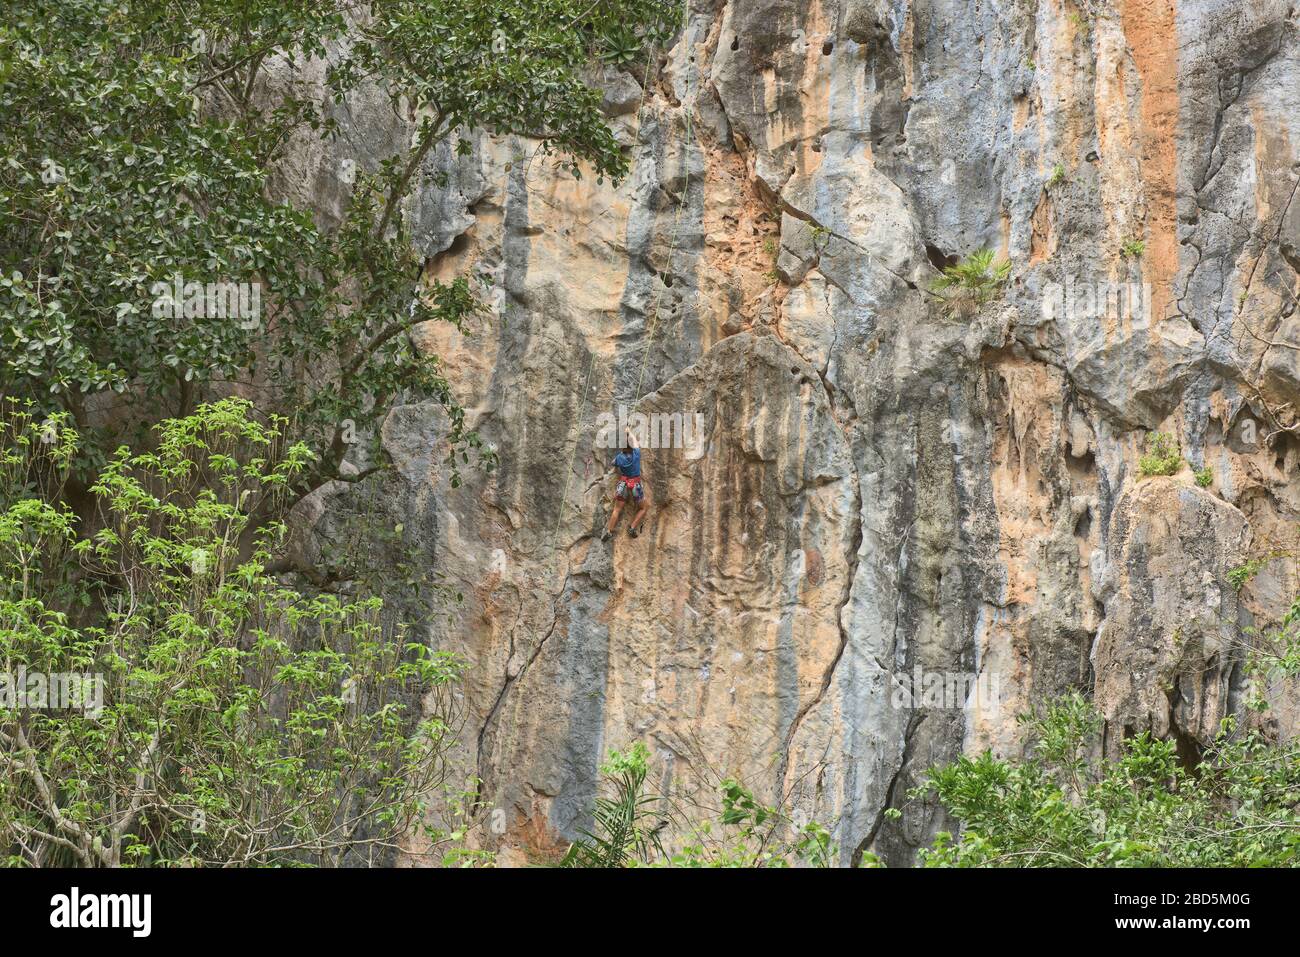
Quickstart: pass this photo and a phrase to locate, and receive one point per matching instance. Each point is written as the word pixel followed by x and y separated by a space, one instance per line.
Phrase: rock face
pixel 879 493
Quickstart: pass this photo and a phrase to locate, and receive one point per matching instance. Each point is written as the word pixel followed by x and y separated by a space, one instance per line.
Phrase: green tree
pixel 225 719
pixel 1063 806
pixel 141 143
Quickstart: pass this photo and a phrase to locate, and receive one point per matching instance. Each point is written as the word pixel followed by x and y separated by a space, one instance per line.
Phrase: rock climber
pixel 630 487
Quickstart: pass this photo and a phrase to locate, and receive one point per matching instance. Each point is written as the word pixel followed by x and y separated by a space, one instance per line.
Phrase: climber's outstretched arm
pixel 631 439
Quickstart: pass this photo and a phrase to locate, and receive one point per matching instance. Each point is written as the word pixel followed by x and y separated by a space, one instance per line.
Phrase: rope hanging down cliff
pixel 672 249
pixel 586 389
pixel 654 309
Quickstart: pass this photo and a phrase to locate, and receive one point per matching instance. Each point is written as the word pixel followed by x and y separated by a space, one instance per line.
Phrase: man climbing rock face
pixel 630 487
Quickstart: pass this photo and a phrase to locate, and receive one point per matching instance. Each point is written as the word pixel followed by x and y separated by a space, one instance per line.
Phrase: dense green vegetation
pixel 238 720
pixel 1063 806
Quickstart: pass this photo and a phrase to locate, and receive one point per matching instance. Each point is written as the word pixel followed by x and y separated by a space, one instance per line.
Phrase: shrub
pixel 1162 456
pixel 971 283
pixel 1238 576
pixel 629 824
pixel 1064 807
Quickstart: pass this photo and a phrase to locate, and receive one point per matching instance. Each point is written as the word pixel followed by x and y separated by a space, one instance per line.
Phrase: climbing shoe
pixel 633 532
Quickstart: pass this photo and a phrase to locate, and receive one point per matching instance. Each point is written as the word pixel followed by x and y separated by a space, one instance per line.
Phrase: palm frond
pixel 972 282
pixel 624 827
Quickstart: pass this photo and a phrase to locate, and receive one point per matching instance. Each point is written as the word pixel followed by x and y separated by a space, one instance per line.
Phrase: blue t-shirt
pixel 628 462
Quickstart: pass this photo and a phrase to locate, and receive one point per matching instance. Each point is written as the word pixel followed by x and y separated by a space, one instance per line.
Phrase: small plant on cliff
pixel 1239 575
pixel 820 237
pixel 1062 806
pixel 1204 477
pixel 1162 456
pixel 971 283
pixel 1132 248
pixel 1057 176
pixel 1243 573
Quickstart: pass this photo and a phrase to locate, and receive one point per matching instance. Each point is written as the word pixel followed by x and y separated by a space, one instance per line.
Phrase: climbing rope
pixel 568 475
pixel 672 249
pixel 512 734
pixel 654 311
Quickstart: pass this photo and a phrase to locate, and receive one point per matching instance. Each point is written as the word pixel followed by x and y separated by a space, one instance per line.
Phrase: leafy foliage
pixel 625 826
pixel 1239 575
pixel 142 145
pixel 1274 655
pixel 239 722
pixel 1162 456
pixel 1132 248
pixel 751 834
pixel 520 67
pixel 971 283
pixel 741 833
pixel 1062 806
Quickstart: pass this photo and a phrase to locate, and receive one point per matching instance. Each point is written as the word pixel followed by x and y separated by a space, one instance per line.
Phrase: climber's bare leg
pixel 613 519
pixel 645 507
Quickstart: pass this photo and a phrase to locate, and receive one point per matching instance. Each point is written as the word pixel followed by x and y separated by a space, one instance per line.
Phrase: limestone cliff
pixel 879 488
